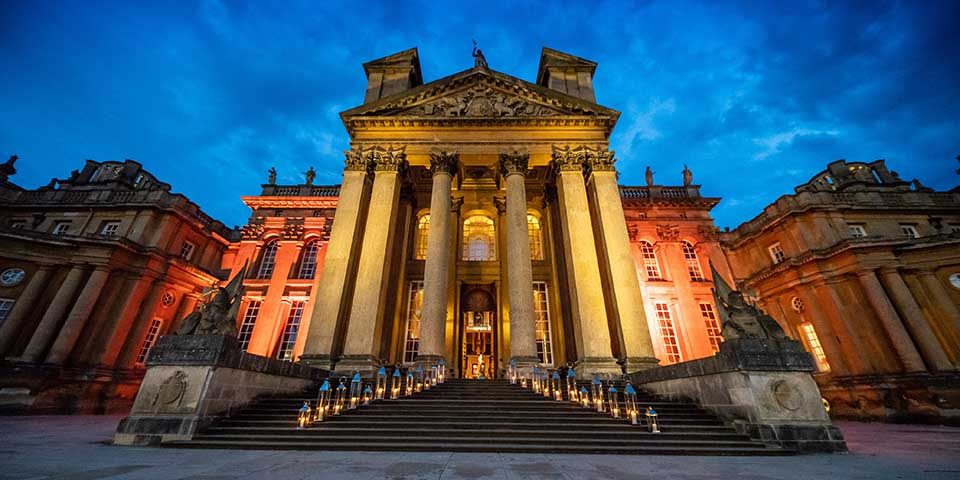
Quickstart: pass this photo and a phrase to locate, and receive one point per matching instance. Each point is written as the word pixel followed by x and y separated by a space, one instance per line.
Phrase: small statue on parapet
pixel 478 59
pixel 272 176
pixel 740 319
pixel 217 316
pixel 649 176
pixel 687 176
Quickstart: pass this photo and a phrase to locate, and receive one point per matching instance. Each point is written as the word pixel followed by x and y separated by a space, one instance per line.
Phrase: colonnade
pixel 601 279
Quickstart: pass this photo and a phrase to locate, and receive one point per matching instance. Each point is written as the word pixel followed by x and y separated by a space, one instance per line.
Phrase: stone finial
pixel 442 161
pixel 514 162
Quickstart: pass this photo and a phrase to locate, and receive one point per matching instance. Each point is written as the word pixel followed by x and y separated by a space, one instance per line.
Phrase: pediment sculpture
pixel 480 101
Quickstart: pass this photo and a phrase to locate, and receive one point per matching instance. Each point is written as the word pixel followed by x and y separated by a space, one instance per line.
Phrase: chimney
pixel 566 73
pixel 392 74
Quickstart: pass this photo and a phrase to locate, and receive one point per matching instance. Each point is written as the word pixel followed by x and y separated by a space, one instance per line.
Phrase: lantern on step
pixel 356 386
pixel 545 383
pixel 584 397
pixel 572 385
pixel 535 379
pixel 652 420
pixel 418 379
pixel 630 403
pixel 555 383
pixel 341 396
pixel 381 383
pixel 367 394
pixel 303 419
pixel 395 383
pixel 409 386
pixel 613 401
pixel 596 392
pixel 512 372
pixel 441 370
pixel 434 373
pixel 323 401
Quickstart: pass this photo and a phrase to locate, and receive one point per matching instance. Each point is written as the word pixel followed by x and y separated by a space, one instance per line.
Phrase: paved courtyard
pixel 74 448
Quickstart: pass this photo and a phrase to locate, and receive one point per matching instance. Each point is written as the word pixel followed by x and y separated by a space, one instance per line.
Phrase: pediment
pixel 480 93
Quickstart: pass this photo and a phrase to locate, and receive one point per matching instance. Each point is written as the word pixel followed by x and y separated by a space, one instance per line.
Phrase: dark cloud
pixel 755 96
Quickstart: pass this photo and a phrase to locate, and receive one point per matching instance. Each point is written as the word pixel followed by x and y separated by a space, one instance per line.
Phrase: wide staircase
pixel 478 416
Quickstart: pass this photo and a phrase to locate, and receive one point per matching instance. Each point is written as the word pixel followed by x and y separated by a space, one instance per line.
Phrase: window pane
pixel 308 264
pixel 671 344
pixel 479 239
pixel 267 260
pixel 249 320
pixel 813 341
pixel 650 263
pixel 423 234
pixel 148 342
pixel 541 312
pixel 411 344
pixel 536 242
pixel 713 326
pixel 290 329
pixel 693 263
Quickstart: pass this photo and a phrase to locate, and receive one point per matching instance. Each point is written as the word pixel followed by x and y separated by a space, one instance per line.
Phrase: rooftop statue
pixel 687 176
pixel 649 176
pixel 310 174
pixel 478 59
pixel 740 319
pixel 217 316
pixel 272 176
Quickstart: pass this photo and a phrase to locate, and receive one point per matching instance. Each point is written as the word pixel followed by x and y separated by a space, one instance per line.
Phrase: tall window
pixel 148 342
pixel 479 239
pixel 776 253
pixel 290 329
pixel 186 250
pixel 541 312
pixel 268 259
pixel 308 260
pixel 668 332
pixel 713 326
pixel 650 263
pixel 411 344
pixel 6 304
pixel 249 320
pixel 423 233
pixel 813 342
pixel 693 263
pixel 536 241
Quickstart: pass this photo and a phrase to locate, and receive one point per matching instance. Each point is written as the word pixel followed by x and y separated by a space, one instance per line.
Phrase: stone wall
pixel 193 380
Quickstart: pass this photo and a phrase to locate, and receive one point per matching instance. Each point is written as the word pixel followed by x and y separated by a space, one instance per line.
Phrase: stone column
pixel 930 348
pixel 942 299
pixel 821 324
pixel 623 285
pixel 26 303
pixel 133 341
pixel 116 331
pixel 523 341
pixel 77 319
pixel 361 350
pixel 334 293
pixel 50 322
pixel 433 318
pixel 899 337
pixel 586 291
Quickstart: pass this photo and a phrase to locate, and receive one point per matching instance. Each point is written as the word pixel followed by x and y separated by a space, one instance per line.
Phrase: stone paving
pixel 75 448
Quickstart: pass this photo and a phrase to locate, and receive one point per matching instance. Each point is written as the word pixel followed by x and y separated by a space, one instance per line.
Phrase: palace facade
pixel 480 220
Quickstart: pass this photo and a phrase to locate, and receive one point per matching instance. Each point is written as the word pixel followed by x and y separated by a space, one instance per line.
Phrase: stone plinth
pixel 763 386
pixel 192 380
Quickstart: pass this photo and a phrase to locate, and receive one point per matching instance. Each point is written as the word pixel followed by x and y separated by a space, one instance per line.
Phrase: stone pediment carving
pixel 480 94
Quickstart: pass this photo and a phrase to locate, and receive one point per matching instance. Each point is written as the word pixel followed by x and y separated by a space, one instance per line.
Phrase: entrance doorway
pixel 478 356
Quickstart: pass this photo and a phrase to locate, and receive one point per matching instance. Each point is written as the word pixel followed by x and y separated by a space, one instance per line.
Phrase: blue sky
pixel 755 97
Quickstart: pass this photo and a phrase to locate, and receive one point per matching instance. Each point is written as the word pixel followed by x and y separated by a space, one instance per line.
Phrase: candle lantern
pixel 409 386
pixel 340 397
pixel 613 401
pixel 572 385
pixel 304 417
pixel 441 370
pixel 596 393
pixel 512 372
pixel 584 397
pixel 381 383
pixel 630 402
pixel 555 383
pixel 418 379
pixel 434 373
pixel 356 386
pixel 395 383
pixel 323 401
pixel 535 379
pixel 652 420
pixel 545 383
pixel 367 395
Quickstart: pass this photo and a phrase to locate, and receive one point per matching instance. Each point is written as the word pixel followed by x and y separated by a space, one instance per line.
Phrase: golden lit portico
pixel 534 262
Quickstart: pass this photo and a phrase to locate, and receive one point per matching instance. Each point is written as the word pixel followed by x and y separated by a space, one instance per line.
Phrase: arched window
pixel 693 263
pixel 479 239
pixel 268 259
pixel 536 242
pixel 650 263
pixel 308 260
pixel 423 233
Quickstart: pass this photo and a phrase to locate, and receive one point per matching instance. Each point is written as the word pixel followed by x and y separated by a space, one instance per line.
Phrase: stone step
pixel 359 422
pixel 535 431
pixel 401 417
pixel 254 444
